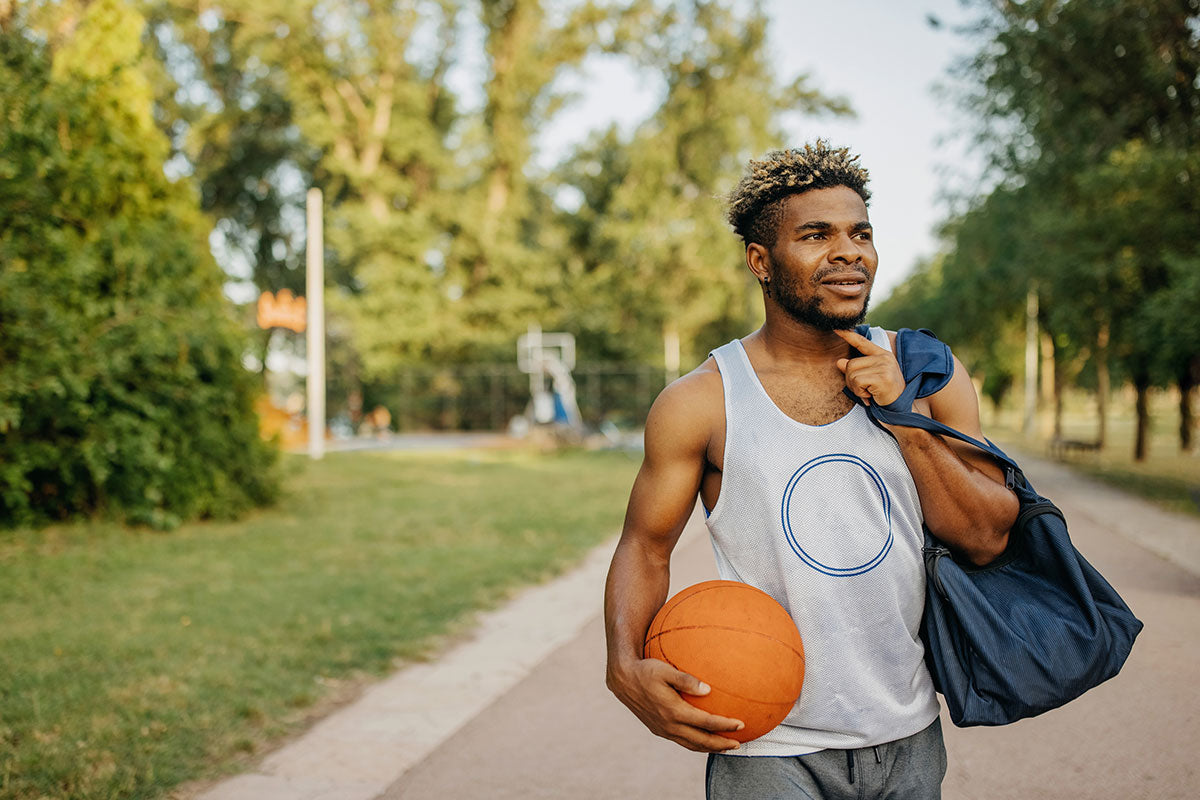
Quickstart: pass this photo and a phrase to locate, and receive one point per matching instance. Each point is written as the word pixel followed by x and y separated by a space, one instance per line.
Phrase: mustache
pixel 825 272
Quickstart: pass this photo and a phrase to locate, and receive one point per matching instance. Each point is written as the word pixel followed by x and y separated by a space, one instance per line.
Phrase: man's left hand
pixel 873 376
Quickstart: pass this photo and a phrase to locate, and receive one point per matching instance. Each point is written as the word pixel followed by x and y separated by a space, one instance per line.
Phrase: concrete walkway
pixel 521 711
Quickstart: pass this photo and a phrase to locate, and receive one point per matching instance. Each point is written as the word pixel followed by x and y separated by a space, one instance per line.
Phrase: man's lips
pixel 846 284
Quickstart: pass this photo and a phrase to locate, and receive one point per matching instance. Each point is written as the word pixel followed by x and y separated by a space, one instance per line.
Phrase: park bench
pixel 1061 448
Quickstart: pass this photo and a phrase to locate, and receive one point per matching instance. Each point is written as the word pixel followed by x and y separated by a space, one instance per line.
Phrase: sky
pixel 884 57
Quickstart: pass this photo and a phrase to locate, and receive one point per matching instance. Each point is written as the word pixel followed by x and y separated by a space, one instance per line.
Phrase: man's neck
pixel 787 341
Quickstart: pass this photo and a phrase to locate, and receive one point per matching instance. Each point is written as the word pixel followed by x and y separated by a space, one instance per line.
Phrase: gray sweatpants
pixel 906 769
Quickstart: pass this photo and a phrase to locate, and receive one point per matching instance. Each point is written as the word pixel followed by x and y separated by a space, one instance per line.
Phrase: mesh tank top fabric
pixel 826 520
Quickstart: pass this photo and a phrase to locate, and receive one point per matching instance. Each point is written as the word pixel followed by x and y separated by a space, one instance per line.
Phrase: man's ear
pixel 758 260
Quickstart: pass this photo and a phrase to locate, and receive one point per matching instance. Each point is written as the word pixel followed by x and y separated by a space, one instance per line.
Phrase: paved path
pixel 521 711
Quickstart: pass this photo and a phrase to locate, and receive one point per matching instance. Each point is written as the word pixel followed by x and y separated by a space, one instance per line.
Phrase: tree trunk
pixel 1052 382
pixel 1142 383
pixel 1102 386
pixel 377 204
pixel 8 10
pixel 511 34
pixel 1187 420
pixel 1031 361
pixel 1059 382
pixel 1046 379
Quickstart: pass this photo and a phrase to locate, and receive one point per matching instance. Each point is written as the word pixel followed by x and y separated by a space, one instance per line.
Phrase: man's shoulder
pixel 695 399
pixel 699 387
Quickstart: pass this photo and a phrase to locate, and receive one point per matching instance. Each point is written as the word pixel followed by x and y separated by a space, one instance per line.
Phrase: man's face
pixel 823 263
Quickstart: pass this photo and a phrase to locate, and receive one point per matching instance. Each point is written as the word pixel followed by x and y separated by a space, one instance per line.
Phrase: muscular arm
pixel 662 499
pixel 962 492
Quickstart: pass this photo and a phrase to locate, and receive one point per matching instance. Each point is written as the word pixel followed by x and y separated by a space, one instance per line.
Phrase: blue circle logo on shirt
pixel 820 536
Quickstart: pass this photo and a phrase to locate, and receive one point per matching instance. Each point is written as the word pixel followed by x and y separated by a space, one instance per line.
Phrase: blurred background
pixel 491 169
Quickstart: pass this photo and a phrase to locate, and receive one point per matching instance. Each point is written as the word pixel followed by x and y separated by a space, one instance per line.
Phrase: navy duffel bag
pixel 1034 629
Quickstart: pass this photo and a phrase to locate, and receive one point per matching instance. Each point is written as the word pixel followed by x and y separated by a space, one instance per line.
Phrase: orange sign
pixel 282 310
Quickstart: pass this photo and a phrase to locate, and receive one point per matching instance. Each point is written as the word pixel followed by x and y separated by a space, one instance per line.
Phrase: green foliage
pixel 230 120
pixel 121 388
pixel 649 248
pixel 443 240
pixel 1060 84
pixel 1090 113
pixel 1142 203
pixel 446 242
pixel 946 295
pixel 373 106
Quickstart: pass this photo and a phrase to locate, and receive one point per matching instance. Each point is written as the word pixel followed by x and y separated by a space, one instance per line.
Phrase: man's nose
pixel 845 249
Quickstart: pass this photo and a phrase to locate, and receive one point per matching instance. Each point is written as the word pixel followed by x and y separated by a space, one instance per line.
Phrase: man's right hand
pixel 650 688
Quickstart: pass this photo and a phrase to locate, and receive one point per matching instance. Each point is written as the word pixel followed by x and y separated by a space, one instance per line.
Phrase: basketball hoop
pixel 540 355
pixel 535 346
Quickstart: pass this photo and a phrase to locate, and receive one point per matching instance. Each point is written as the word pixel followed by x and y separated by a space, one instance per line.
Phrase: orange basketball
pixel 739 641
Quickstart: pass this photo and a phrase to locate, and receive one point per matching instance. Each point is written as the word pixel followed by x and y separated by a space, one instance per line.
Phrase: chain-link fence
pixel 488 396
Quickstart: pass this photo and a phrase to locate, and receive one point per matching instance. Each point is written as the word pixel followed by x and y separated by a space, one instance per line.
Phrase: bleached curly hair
pixel 756 203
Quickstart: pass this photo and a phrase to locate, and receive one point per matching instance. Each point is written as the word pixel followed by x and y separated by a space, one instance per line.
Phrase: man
pixel 810 501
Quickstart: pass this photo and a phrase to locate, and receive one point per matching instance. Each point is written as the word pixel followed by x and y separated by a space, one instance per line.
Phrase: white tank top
pixel 826 519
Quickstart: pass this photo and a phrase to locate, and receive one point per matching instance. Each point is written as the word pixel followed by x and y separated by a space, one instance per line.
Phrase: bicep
pixel 664 493
pixel 957 406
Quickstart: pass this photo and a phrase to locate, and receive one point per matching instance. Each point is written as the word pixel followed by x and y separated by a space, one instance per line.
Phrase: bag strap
pixel 912 419
pixel 893 415
pixel 922 356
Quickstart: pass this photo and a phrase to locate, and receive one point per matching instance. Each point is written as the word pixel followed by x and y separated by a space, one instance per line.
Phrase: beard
pixel 807 310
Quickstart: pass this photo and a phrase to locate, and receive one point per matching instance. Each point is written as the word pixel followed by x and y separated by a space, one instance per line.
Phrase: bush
pixel 121 385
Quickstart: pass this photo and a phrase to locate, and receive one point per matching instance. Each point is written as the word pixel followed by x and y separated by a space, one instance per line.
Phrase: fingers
pixel 871 386
pixel 675 678
pixel 688 684
pixel 873 376
pixel 701 731
pixel 702 742
pixel 856 380
pixel 669 715
pixel 859 377
pixel 716 724
pixel 860 342
pixel 703 726
pixel 693 686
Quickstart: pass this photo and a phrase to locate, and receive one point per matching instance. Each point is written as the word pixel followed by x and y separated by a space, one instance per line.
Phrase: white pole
pixel 671 353
pixel 1031 359
pixel 537 376
pixel 315 300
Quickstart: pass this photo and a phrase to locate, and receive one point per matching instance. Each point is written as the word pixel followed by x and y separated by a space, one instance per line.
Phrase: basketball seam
pixel 735 695
pixel 718 585
pixel 735 585
pixel 726 628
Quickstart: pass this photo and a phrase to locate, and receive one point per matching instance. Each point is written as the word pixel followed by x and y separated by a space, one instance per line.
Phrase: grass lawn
pixel 132 661
pixel 1167 476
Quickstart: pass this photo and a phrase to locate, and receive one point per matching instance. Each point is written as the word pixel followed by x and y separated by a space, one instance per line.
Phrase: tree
pixel 1077 102
pixel 231 122
pixel 650 237
pixel 967 296
pixel 375 113
pixel 1144 202
pixel 1057 84
pixel 122 388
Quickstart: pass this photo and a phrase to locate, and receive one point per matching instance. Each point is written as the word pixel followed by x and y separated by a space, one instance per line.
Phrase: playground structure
pixel 549 356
